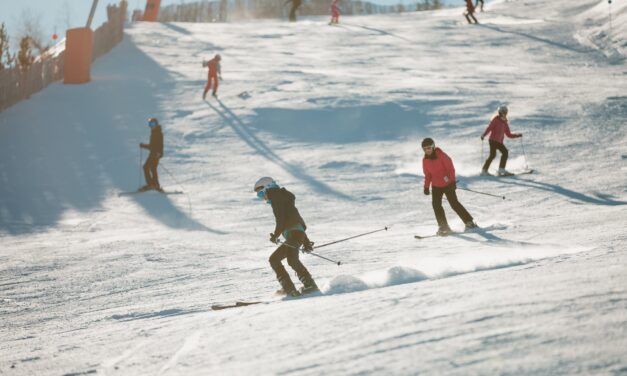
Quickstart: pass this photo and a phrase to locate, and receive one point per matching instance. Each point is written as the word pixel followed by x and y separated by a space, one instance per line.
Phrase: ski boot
pixel 287 288
pixel 504 172
pixel 145 188
pixel 444 231
pixel 485 173
pixel 204 95
pixel 308 285
pixel 214 94
pixel 471 225
pixel 158 188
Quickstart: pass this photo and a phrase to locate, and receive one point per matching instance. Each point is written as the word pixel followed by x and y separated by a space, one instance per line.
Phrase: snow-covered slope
pixel 93 283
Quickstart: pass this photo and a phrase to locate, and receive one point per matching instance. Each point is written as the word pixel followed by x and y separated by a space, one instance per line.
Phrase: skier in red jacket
pixel 440 174
pixel 498 129
pixel 215 72
pixel 335 13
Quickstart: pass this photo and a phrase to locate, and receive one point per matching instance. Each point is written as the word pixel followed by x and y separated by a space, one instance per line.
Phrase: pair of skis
pixel 240 303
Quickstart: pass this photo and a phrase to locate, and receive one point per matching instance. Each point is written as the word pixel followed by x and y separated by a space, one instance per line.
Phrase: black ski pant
pixel 451 196
pixel 494 145
pixel 150 169
pixel 289 250
pixel 295 5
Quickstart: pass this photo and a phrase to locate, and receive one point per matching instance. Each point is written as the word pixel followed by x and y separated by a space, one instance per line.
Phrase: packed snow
pixel 93 283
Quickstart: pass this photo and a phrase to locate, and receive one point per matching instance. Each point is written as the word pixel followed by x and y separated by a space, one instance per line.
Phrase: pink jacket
pixel 498 128
pixel 439 172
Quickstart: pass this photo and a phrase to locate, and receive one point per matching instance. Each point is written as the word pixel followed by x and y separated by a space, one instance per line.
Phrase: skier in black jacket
pixel 156 152
pixel 291 225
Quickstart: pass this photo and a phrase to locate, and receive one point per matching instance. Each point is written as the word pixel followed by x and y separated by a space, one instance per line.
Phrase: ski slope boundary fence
pixel 18 84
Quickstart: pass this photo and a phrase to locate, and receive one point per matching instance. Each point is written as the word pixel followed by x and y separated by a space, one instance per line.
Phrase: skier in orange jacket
pixel 215 72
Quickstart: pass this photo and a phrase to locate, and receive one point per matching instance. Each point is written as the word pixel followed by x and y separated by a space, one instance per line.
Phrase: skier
pixel 440 174
pixel 498 129
pixel 156 152
pixel 335 13
pixel 291 225
pixel 215 72
pixel 295 5
pixel 477 4
pixel 470 12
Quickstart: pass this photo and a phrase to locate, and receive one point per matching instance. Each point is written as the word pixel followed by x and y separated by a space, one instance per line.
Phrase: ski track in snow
pixel 91 283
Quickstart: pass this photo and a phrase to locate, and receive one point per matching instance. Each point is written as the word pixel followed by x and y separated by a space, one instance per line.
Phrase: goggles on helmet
pixel 152 123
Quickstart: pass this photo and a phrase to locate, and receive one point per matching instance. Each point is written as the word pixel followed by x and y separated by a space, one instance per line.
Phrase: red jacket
pixel 440 171
pixel 498 128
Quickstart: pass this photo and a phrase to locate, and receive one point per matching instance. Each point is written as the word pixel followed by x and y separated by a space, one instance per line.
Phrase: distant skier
pixel 440 174
pixel 215 73
pixel 291 225
pixel 335 13
pixel 295 5
pixel 477 3
pixel 156 152
pixel 498 129
pixel 470 12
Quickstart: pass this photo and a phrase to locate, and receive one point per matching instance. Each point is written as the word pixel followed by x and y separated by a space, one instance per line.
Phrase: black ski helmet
pixel 428 142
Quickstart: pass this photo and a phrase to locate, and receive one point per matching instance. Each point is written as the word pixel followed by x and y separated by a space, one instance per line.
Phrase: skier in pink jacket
pixel 335 13
pixel 498 129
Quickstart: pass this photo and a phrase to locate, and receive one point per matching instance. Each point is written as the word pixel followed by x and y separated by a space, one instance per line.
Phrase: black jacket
pixel 156 140
pixel 285 212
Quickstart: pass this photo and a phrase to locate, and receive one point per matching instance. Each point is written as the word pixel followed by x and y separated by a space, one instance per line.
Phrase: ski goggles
pixel 425 148
pixel 152 123
pixel 261 193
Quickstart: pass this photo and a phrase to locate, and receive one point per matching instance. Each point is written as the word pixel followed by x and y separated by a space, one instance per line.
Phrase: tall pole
pixel 94 4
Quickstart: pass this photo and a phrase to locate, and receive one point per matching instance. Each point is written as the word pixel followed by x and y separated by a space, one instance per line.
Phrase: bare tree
pixel 29 27
pixel 6 59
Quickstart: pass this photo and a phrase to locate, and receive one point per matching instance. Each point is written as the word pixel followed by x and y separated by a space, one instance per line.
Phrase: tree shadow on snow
pixel 66 147
pixel 342 125
pixel 264 150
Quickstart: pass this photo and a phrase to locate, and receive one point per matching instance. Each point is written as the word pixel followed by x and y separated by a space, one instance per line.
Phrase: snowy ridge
pixel 93 283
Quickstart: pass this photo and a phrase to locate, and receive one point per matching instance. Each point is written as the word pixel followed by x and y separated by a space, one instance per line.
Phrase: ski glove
pixel 482 137
pixel 308 246
pixel 427 191
pixel 274 238
pixel 453 186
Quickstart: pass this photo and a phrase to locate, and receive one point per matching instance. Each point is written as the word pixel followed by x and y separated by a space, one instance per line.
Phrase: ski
pixel 217 307
pixel 130 193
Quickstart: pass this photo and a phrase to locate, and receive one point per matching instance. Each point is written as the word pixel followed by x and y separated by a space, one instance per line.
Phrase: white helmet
pixel 502 110
pixel 264 183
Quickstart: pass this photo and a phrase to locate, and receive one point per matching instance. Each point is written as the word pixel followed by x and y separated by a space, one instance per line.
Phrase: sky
pixel 58 15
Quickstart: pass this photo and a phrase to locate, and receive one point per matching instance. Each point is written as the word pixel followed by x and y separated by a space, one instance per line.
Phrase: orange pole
pixel 152 10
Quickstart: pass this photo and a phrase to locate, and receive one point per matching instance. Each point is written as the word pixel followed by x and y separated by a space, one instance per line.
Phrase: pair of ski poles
pixel 338 263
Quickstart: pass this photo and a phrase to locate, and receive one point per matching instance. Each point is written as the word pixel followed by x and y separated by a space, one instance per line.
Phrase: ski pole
pixel 522 144
pixel 352 237
pixel 482 193
pixel 139 176
pixel 322 257
pixel 310 253
pixel 481 162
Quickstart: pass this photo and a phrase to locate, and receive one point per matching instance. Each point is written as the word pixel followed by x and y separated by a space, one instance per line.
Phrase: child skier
pixel 335 13
pixel 156 152
pixel 470 12
pixel 291 225
pixel 215 72
pixel 440 174
pixel 498 129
